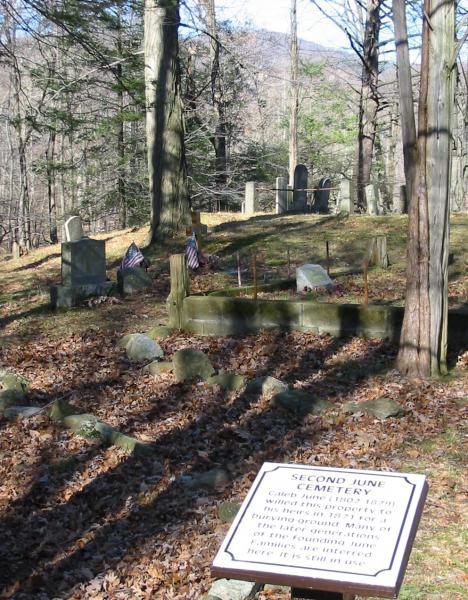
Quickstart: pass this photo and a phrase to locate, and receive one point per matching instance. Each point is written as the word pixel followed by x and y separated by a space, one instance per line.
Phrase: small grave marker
pixel 197 228
pixel 335 530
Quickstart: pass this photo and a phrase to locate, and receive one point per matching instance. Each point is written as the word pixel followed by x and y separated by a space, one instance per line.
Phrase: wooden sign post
pixel 327 533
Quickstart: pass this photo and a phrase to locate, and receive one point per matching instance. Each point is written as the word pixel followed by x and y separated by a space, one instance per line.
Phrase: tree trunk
pixel 217 99
pixel 293 94
pixel 164 120
pixel 427 171
pixel 369 100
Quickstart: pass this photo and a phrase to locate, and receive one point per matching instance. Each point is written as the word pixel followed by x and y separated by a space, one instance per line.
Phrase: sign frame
pixel 231 562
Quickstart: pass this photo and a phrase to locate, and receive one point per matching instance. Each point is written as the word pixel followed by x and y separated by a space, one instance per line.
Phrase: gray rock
pixel 9 398
pixel 227 511
pixel 227 381
pixel 191 364
pixel 158 367
pixel 300 402
pixel 13 381
pixel 21 411
pixel 73 228
pixel 382 408
pixel 133 279
pixel 213 479
pixel 267 385
pixel 140 347
pixel 161 332
pixel 122 343
pixel 234 589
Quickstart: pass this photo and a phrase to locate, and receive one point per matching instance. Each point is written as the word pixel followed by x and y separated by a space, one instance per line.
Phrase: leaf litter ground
pixel 83 521
pixel 79 520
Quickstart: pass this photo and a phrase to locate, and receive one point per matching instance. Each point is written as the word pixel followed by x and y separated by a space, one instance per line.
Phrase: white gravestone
pixel 338 530
pixel 310 277
pixel 73 229
pixel 345 202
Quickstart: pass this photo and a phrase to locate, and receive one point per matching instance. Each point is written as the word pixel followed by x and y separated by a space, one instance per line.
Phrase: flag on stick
pixel 133 257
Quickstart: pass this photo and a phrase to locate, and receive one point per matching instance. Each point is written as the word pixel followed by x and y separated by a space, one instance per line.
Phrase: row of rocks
pixel 189 364
pixel 14 388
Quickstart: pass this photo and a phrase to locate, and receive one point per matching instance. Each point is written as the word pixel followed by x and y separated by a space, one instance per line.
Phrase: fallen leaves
pixel 80 520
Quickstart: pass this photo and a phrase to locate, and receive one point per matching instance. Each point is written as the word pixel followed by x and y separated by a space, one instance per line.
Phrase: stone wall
pixel 215 315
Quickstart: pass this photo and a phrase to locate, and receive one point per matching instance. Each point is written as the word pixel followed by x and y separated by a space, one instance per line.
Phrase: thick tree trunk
pixel 427 170
pixel 293 94
pixel 164 120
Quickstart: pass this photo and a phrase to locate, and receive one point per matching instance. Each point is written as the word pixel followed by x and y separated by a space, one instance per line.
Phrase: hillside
pixel 82 520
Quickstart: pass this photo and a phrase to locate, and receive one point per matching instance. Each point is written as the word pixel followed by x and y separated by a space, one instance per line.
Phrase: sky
pixel 274 16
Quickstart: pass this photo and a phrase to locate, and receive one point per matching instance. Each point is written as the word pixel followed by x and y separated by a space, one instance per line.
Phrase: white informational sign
pixel 341 530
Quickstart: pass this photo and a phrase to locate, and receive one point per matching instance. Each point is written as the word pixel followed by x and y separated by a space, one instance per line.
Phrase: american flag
pixel 133 257
pixel 191 253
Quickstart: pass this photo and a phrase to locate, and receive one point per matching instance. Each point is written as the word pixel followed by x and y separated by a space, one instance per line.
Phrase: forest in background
pixel 73 114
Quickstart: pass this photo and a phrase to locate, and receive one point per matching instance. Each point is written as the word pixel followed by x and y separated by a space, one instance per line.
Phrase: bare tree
pixel 293 93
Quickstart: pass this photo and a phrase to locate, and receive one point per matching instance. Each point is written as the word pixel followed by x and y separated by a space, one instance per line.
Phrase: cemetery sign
pixel 338 530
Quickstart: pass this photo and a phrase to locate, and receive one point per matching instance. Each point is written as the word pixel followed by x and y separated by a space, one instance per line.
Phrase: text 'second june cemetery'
pixel 336 529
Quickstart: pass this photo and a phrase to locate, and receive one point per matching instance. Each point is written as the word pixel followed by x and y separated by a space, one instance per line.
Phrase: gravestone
pixel 83 273
pixel 328 531
pixel 251 199
pixel 345 203
pixel 322 196
pixel 371 198
pixel 310 277
pixel 299 203
pixel 73 228
pixel 281 203
pixel 400 206
pixel 15 250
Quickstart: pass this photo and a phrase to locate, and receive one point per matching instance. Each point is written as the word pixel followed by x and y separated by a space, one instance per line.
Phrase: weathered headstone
pixel 83 273
pixel 401 203
pixel 371 198
pixel 299 203
pixel 133 279
pixel 310 277
pixel 15 250
pixel 344 200
pixel 322 196
pixel 281 203
pixel 347 531
pixel 73 228
pixel 251 199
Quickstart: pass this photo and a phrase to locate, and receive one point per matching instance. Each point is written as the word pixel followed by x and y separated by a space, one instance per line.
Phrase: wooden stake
pixel 366 283
pixel 179 289
pixel 239 275
pixel 328 258
pixel 254 273
pixel 289 262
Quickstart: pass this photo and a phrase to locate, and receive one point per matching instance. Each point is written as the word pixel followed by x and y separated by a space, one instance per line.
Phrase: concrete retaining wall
pixel 214 315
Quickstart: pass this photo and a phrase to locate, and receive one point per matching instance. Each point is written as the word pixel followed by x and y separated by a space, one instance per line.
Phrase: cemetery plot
pixel 330 529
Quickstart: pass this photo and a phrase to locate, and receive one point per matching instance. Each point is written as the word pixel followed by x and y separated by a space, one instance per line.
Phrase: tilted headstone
pixel 73 228
pixel 371 198
pixel 281 195
pixel 309 277
pixel 299 203
pixel 322 196
pixel 345 202
pixel 251 200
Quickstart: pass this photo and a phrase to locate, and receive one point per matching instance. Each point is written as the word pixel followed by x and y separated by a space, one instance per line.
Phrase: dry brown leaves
pixel 78 520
